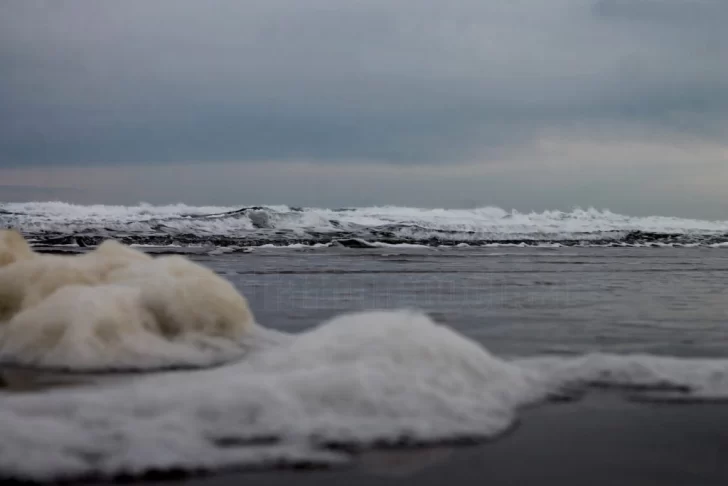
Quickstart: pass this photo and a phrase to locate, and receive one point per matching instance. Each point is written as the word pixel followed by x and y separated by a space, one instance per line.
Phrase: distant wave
pixel 56 223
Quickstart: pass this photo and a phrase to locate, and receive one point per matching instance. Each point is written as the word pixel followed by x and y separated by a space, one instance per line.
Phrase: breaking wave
pixel 55 223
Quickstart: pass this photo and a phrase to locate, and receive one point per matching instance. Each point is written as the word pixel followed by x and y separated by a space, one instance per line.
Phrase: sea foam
pixel 115 307
pixel 357 379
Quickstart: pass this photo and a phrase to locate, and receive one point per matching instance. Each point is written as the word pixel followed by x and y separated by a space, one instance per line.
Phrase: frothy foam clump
pixel 114 307
pixel 362 378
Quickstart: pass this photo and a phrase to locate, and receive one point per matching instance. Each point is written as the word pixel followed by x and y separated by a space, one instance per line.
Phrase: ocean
pixel 384 326
pixel 514 301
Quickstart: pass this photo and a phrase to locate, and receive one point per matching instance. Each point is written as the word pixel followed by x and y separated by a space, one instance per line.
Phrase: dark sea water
pixel 515 301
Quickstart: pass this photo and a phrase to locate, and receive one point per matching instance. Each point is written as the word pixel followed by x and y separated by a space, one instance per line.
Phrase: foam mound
pixel 114 307
pixel 358 379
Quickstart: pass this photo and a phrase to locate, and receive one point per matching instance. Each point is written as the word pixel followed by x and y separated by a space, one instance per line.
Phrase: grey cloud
pixel 398 82
pixel 13 193
pixel 679 13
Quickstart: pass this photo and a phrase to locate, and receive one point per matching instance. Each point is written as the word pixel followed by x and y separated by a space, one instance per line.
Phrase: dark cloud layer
pixel 411 81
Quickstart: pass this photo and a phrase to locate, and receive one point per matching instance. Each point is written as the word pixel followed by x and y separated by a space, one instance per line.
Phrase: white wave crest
pixel 406 222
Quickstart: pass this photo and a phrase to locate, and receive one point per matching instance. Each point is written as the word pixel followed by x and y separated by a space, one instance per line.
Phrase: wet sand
pixel 603 439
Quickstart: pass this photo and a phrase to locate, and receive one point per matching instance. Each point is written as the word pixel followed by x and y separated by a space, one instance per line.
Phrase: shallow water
pixel 515 301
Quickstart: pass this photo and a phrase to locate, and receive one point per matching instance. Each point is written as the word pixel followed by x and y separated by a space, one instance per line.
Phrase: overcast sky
pixel 525 104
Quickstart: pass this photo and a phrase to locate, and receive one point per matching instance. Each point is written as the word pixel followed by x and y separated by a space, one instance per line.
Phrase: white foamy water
pixel 357 379
pixel 400 222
